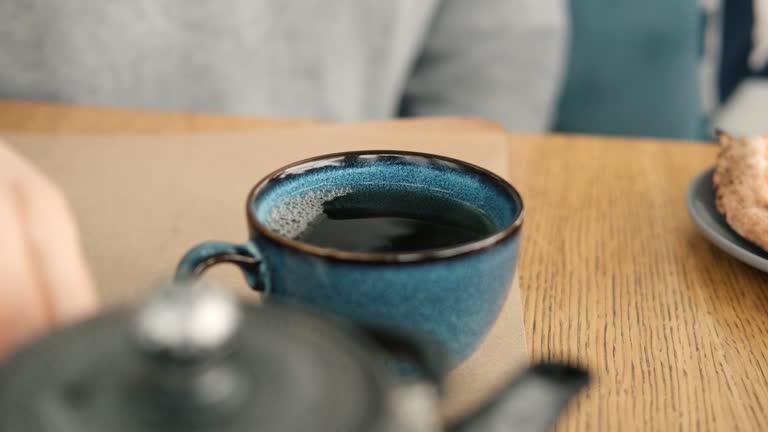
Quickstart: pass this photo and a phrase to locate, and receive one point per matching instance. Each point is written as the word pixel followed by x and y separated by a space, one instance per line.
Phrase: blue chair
pixel 633 69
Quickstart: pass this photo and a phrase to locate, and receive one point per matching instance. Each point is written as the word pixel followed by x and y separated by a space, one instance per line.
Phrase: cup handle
pixel 210 253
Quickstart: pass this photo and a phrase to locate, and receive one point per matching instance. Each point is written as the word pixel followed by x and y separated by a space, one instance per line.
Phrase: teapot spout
pixel 530 402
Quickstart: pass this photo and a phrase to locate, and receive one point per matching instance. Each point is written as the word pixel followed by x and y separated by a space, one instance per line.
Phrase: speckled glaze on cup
pixel 452 295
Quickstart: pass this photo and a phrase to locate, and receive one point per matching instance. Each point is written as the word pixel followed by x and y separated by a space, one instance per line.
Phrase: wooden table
pixel 613 273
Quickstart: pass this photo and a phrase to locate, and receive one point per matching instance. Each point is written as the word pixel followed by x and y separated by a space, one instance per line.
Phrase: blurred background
pixel 657 68
pixel 674 69
pixel 633 69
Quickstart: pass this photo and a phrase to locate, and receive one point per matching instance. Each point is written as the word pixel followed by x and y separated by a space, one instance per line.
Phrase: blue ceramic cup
pixel 452 295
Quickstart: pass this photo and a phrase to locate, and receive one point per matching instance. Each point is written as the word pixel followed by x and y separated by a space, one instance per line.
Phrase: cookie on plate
pixel 741 185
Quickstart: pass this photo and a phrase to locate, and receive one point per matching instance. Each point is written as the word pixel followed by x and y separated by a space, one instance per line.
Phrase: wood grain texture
pixel 613 273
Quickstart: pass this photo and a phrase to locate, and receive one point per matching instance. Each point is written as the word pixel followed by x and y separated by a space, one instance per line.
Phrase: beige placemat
pixel 141 202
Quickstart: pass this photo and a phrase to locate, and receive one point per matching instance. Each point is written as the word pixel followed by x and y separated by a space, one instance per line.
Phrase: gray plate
pixel 701 206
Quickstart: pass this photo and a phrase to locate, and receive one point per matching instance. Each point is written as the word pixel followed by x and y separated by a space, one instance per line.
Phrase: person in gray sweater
pixel 500 60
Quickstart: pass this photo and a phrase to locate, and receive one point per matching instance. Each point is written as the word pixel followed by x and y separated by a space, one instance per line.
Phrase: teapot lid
pixel 192 358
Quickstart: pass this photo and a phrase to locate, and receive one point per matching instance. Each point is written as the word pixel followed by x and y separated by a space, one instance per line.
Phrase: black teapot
pixel 192 358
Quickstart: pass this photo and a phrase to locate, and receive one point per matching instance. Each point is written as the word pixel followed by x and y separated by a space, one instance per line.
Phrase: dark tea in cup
pixel 380 219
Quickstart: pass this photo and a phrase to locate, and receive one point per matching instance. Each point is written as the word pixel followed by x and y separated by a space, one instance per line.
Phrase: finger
pixel 54 245
pixel 23 312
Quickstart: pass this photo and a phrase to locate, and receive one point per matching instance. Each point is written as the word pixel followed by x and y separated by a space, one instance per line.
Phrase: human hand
pixel 44 279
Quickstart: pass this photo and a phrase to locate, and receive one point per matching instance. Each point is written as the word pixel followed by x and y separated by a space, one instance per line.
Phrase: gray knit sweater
pixel 326 59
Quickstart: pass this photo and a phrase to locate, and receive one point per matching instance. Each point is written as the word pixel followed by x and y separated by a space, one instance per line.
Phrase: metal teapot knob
pixel 187 321
pixel 184 332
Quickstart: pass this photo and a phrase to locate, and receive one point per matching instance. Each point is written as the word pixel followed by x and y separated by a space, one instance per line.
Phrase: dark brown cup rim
pixel 388 257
